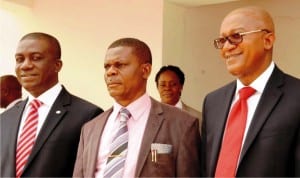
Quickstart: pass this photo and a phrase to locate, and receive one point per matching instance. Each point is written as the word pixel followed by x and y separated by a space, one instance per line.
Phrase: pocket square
pixel 161 148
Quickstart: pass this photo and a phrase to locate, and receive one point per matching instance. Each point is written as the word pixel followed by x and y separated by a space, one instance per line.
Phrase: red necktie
pixel 233 136
pixel 27 137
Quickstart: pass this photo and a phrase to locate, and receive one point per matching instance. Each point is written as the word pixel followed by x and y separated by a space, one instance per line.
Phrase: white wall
pixel 188 42
pixel 85 29
pixel 176 35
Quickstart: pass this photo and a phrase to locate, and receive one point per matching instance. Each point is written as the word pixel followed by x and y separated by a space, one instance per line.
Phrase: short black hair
pixel 172 68
pixel 140 48
pixel 49 38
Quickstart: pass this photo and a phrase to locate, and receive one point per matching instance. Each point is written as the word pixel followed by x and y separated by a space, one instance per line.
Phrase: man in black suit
pixel 60 116
pixel 271 140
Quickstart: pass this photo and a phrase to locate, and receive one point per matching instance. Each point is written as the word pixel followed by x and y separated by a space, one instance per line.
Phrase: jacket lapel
pixel 152 128
pixel 270 97
pixel 219 124
pixel 15 116
pixel 56 113
pixel 93 143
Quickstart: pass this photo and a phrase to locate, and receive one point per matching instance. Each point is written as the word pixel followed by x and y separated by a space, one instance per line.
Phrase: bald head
pixel 253 18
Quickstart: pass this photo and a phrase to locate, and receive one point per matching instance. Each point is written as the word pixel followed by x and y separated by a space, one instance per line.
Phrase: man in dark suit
pixel 60 116
pixel 162 141
pixel 270 144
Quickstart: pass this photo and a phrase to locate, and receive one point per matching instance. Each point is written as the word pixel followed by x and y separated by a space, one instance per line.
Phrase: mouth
pixel 231 56
pixel 167 95
pixel 231 59
pixel 28 76
pixel 111 85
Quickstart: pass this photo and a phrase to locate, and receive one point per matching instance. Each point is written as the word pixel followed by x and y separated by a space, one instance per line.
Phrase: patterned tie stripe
pixel 27 137
pixel 233 136
pixel 118 149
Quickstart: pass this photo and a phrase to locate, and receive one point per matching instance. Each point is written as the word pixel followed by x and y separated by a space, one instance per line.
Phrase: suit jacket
pixel 54 152
pixel 194 113
pixel 166 125
pixel 272 145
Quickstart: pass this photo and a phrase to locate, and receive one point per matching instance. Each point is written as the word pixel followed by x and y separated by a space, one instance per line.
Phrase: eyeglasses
pixel 235 38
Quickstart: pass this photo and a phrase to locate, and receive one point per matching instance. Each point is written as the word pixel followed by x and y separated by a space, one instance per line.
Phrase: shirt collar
pixel 259 83
pixel 136 108
pixel 179 104
pixel 49 96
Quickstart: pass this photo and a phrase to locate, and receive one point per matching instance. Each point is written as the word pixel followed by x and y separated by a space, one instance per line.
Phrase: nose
pixel 26 64
pixel 167 86
pixel 228 45
pixel 111 71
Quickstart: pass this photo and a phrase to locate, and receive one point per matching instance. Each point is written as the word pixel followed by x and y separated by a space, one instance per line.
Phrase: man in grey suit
pixel 163 141
pixel 270 144
pixel 60 116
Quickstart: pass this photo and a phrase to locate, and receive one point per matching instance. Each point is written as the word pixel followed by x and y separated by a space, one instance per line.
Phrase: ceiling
pixel 190 3
pixel 198 2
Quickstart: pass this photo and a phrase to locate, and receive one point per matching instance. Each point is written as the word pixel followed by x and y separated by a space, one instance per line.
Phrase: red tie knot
pixel 246 92
pixel 35 104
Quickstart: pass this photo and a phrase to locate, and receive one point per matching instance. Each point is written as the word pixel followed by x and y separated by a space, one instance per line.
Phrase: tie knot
pixel 246 92
pixel 35 103
pixel 125 114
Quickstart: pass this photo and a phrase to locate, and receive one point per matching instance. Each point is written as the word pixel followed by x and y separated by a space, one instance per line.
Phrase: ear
pixel 146 70
pixel 58 65
pixel 269 40
pixel 181 88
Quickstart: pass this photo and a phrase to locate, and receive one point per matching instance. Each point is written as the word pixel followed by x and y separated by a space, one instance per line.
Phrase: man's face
pixel 247 59
pixel 125 75
pixel 169 87
pixel 36 66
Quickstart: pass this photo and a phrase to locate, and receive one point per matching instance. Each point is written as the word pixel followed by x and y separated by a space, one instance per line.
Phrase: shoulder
pixel 83 102
pixel 286 83
pixel 222 90
pixel 101 118
pixel 77 102
pixel 292 81
pixel 191 110
pixel 171 113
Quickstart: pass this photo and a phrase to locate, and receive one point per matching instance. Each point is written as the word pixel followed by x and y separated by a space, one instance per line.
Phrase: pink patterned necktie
pixel 27 137
pixel 118 148
pixel 233 136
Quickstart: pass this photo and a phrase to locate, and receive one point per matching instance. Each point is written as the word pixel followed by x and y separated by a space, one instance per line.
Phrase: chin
pixel 233 70
pixel 28 87
pixel 114 94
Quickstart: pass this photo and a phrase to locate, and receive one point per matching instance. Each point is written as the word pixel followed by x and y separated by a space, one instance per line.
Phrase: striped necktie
pixel 118 148
pixel 27 137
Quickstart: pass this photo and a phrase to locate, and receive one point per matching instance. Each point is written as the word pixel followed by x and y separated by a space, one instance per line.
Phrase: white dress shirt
pixel 252 102
pixel 47 98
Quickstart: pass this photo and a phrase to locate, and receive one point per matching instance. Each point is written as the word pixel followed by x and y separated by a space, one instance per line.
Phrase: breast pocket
pixel 161 166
